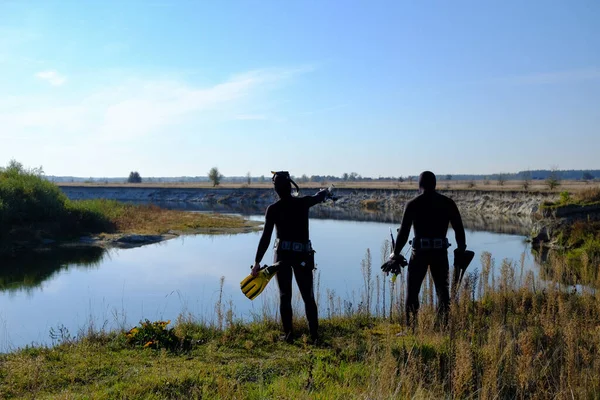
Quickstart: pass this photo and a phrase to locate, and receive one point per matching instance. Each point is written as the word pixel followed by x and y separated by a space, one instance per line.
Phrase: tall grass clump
pixel 588 196
pixel 26 198
pixel 32 209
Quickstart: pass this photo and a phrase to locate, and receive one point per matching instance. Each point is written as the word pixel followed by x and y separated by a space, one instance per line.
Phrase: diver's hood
pixel 284 175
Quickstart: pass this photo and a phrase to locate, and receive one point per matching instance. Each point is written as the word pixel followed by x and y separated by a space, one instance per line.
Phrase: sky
pixel 380 88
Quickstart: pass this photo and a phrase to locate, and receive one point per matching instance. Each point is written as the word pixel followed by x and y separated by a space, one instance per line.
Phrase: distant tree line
pixel 526 175
pixel 535 174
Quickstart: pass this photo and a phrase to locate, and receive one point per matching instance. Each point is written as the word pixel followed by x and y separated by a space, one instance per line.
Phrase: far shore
pixel 480 185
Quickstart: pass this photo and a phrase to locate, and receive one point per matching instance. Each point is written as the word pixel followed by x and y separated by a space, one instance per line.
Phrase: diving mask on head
pixel 281 178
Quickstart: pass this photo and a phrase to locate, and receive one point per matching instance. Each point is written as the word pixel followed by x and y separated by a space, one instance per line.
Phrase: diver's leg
pixel 284 281
pixel 417 269
pixel 440 273
pixel 304 279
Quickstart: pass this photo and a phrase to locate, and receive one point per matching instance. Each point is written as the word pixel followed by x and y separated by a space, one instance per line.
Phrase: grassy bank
pixel 510 336
pixel 589 196
pixel 578 239
pixel 33 210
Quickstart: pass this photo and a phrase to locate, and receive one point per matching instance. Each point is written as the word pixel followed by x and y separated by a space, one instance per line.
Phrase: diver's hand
pixel 399 258
pixel 329 193
pixel 394 264
pixel 391 266
pixel 255 269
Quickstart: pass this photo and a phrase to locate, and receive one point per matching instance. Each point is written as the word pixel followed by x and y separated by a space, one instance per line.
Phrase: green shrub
pixel 154 335
pixel 32 208
pixel 27 198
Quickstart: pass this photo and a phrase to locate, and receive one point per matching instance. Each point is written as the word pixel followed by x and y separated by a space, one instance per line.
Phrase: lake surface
pixel 80 288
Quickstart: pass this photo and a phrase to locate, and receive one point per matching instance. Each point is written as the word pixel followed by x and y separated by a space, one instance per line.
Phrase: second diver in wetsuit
pixel 429 213
pixel 293 248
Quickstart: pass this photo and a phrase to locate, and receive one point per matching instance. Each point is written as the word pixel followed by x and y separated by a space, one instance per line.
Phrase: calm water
pixel 118 288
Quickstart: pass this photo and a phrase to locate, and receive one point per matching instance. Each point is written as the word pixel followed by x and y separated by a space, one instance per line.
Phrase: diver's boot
pixel 288 337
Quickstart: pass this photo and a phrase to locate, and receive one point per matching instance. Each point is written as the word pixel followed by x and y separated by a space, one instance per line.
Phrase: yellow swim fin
pixel 252 286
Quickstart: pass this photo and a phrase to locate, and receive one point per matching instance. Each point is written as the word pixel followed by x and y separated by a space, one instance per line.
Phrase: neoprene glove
pixel 394 264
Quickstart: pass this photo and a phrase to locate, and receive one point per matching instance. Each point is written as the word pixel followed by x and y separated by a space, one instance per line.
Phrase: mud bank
pixel 130 240
pixel 512 203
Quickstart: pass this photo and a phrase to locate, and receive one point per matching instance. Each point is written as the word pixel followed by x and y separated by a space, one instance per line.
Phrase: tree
pixel 553 180
pixel 345 176
pixel 587 176
pixel 134 177
pixel 410 179
pixel 501 179
pixel 448 177
pixel 304 178
pixel 248 178
pixel 526 180
pixel 215 176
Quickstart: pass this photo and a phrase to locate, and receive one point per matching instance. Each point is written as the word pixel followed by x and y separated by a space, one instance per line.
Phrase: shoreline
pixel 133 240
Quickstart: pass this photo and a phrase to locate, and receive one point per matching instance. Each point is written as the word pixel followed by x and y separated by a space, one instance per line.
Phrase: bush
pixel 27 198
pixel 565 197
pixel 32 208
pixel 154 335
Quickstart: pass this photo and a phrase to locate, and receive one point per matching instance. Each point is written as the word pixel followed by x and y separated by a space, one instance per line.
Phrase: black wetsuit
pixel 429 213
pixel 290 216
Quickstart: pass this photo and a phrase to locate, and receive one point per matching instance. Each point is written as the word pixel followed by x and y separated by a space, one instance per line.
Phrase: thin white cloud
pixel 557 77
pixel 251 117
pixel 52 77
pixel 326 109
pixel 153 105
pixel 132 109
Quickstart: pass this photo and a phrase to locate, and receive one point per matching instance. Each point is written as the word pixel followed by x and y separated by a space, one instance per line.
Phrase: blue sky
pixel 173 88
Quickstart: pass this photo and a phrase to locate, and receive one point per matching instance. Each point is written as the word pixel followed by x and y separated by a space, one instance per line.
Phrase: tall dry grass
pixel 587 195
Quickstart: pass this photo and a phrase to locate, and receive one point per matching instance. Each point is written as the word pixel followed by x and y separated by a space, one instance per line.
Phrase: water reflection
pixel 513 225
pixel 29 270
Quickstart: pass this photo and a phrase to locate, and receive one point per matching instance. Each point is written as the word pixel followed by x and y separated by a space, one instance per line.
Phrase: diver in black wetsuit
pixel 290 216
pixel 429 213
